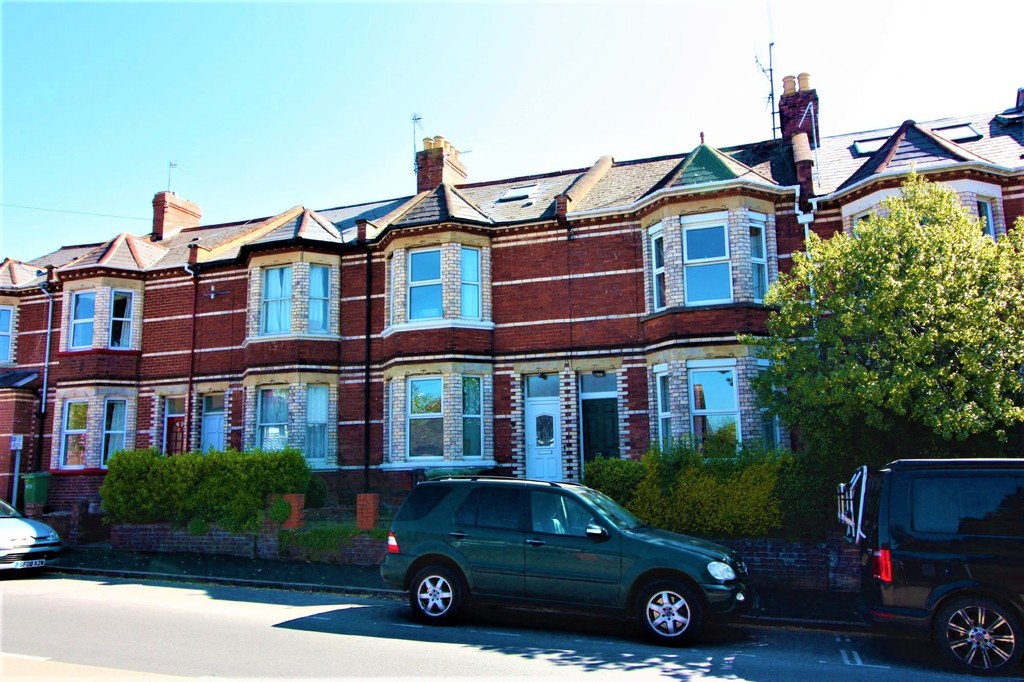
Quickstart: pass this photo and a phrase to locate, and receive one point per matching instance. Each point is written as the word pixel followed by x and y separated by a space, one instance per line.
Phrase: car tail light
pixel 392 544
pixel 882 565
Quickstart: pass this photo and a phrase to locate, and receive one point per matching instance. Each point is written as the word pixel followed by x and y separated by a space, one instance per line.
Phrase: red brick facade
pixel 433 332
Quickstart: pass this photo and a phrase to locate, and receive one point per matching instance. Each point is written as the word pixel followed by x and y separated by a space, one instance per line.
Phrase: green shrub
pixel 316 492
pixel 615 477
pixel 229 488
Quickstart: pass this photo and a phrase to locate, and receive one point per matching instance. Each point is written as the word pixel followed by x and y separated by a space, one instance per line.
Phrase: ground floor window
pixel 114 427
pixel 472 417
pixel 426 417
pixel 272 418
pixel 73 444
pixel 317 402
pixel 714 405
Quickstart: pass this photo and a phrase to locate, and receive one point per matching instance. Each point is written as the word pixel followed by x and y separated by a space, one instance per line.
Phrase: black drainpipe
pixel 366 373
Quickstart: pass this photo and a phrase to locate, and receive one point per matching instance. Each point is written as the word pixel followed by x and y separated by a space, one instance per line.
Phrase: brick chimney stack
pixel 438 164
pixel 172 214
pixel 796 106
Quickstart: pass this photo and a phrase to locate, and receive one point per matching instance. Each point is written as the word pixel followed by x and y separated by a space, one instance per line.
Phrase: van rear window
pixel 971 505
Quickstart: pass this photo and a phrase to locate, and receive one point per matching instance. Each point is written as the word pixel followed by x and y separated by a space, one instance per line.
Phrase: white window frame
pixel 262 425
pixel 470 284
pixel 411 284
pixel 6 334
pixel 478 415
pixel 760 222
pixel 67 432
pixel 324 301
pixel 284 300
pixel 659 290
pixel 110 445
pixel 392 289
pixel 986 213
pixel 125 321
pixel 317 429
pixel 76 323
pixel 663 400
pixel 704 222
pixel 409 417
pixel 694 367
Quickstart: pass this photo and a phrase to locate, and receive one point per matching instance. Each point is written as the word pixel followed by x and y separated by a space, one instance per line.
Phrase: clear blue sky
pixel 266 106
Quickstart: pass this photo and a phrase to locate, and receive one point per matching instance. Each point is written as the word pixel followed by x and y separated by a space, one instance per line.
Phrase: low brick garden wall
pixel 161 537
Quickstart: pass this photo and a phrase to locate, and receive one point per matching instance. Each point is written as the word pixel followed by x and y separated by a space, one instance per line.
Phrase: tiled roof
pixel 993 140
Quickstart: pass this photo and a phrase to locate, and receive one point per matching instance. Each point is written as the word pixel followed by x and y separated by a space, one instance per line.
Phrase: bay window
pixel 470 292
pixel 276 303
pixel 114 428
pixel 6 333
pixel 664 410
pixel 73 442
pixel 316 422
pixel 425 422
pixel 272 418
pixel 658 269
pixel 758 257
pixel 714 405
pixel 121 319
pixel 707 272
pixel 83 315
pixel 425 294
pixel 472 417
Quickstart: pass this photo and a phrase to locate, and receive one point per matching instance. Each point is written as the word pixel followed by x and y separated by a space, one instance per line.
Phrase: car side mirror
pixel 596 533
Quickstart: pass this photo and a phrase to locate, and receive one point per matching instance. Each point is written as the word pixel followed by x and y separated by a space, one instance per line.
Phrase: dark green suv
pixel 463 541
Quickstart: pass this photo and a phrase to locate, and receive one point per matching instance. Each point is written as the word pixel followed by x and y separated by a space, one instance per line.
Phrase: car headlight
pixel 721 571
pixel 53 536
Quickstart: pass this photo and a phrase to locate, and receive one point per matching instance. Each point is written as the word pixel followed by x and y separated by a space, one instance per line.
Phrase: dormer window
pixel 518 193
pixel 868 146
pixel 963 132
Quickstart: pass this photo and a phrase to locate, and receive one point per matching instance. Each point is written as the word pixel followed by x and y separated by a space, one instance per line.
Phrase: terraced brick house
pixel 524 326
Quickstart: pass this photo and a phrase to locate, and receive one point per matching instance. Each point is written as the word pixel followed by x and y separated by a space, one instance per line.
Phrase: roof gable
pixel 705 164
pixel 911 146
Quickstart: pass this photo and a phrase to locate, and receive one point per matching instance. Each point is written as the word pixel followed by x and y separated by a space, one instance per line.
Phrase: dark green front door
pixel 600 428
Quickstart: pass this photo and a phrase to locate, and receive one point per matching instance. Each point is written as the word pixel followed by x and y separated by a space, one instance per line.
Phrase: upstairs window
pixel 121 319
pixel 276 306
pixel 470 292
pixel 758 259
pixel 425 296
pixel 658 269
pixel 319 299
pixel 83 314
pixel 6 333
pixel 707 273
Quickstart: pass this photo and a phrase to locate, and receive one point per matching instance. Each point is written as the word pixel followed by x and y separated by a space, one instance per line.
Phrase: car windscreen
pixel 612 510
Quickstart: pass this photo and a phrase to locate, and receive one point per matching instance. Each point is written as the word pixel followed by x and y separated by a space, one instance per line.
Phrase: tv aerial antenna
pixel 769 73
pixel 416 125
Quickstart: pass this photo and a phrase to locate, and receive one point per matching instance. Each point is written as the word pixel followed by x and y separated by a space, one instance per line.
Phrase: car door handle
pixel 458 535
pixel 535 542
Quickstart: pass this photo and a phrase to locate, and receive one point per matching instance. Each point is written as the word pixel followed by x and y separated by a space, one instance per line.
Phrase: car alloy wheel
pixel 435 595
pixel 670 613
pixel 979 635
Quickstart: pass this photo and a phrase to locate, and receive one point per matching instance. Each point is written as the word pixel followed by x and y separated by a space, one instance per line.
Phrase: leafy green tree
pixel 904 339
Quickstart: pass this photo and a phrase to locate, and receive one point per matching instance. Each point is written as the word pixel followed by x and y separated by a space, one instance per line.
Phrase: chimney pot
pixel 805 81
pixel 788 85
pixel 428 143
pixel 438 164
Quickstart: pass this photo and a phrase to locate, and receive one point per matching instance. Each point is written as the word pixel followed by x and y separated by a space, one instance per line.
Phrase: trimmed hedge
pixel 752 493
pixel 228 488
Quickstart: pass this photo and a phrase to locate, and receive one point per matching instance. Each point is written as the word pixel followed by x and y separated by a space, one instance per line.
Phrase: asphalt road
pixel 57 627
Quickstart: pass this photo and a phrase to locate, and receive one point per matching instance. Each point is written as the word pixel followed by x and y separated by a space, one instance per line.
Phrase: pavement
pixel 786 607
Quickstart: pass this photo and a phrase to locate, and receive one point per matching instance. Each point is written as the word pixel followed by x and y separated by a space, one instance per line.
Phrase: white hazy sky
pixel 264 106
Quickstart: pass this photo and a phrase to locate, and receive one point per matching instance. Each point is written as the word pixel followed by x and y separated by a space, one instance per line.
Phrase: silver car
pixel 24 542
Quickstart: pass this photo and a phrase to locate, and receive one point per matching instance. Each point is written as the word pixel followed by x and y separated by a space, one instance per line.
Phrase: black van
pixel 943 553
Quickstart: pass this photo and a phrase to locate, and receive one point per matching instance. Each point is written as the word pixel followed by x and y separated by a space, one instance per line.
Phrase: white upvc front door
pixel 543 440
pixel 213 431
